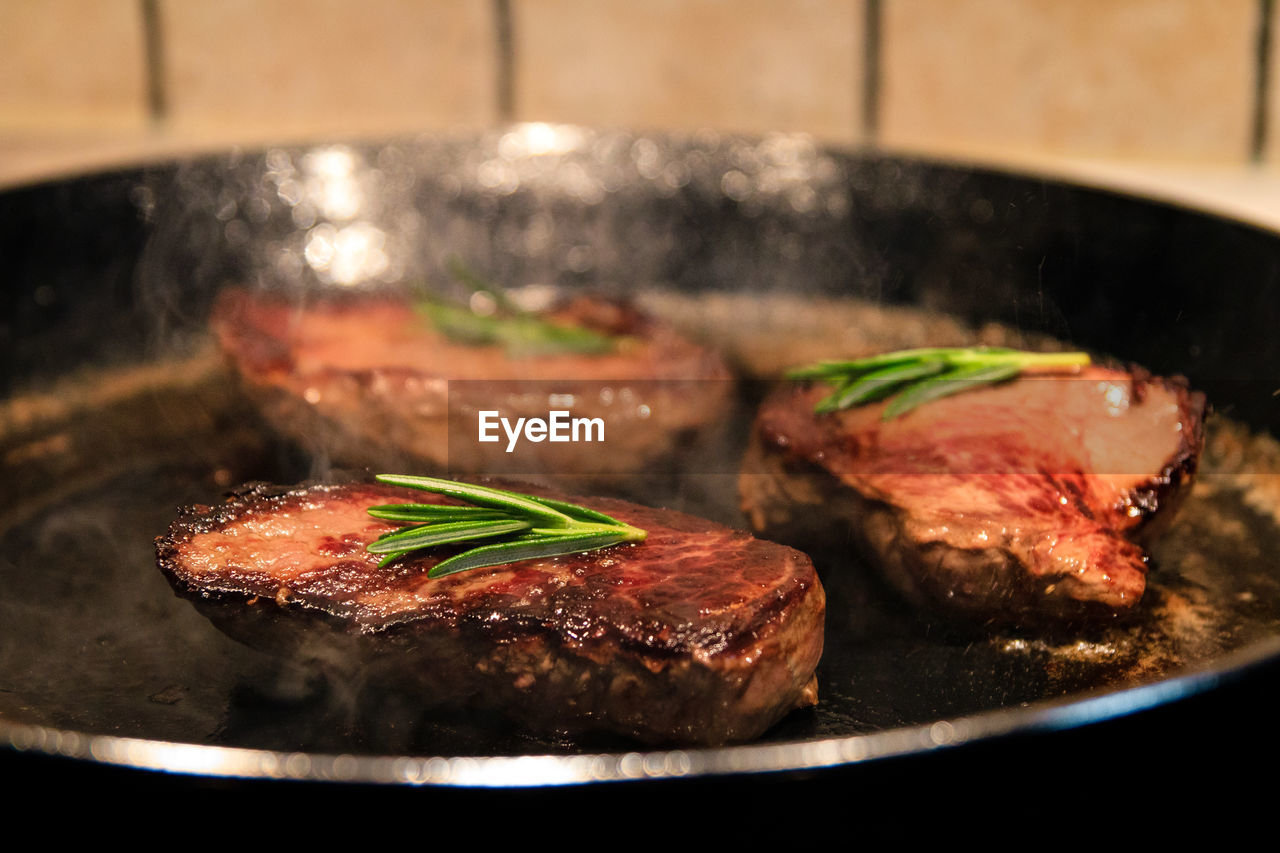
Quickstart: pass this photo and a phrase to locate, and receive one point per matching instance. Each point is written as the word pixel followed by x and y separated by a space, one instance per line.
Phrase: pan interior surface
pixel 98 643
pixel 104 436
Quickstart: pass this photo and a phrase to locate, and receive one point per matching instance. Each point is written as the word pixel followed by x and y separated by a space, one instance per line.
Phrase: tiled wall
pixel 1160 78
pixel 749 65
pixel 71 64
pixel 1179 80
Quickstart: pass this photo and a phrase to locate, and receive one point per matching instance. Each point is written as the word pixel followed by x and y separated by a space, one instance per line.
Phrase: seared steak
pixel 367 381
pixel 1018 503
pixel 699 634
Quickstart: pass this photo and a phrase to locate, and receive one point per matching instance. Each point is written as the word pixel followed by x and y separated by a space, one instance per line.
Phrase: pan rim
pixel 549 770
pixel 559 771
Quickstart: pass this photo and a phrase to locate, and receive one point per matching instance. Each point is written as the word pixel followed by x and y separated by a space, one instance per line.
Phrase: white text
pixel 558 426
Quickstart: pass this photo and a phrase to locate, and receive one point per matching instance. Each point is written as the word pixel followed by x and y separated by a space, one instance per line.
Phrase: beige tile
pixel 747 65
pixel 1158 79
pixel 345 66
pixel 72 64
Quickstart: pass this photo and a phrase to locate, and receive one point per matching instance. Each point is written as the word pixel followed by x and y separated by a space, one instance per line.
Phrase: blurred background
pixel 1170 97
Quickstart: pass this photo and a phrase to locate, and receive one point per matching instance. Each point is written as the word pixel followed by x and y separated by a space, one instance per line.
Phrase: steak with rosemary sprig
pixel 1027 502
pixel 700 634
pixel 385 382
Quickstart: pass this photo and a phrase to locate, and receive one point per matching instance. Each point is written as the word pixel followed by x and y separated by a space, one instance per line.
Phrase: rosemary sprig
pixel 920 375
pixel 525 526
pixel 521 333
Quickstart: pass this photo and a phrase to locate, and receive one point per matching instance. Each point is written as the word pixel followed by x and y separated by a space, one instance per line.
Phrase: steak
pixel 1026 502
pixel 700 634
pixel 365 381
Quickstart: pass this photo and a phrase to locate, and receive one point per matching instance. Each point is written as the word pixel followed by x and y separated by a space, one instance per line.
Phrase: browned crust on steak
pixel 700 634
pixel 365 382
pixel 817 478
pixel 1158 499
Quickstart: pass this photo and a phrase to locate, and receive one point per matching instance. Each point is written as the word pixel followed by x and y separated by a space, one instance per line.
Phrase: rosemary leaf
pixel 526 526
pixel 521 333
pixel 527 335
pixel 482 496
pixel 581 513
pixel 844 369
pixel 929 373
pixel 430 535
pixel 424 513
pixel 878 384
pixel 460 324
pixel 391 558
pixel 946 384
pixel 526 549
pixel 468 278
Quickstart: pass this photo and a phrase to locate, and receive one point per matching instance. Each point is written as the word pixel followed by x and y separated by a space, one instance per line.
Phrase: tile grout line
pixel 871 71
pixel 1262 84
pixel 153 45
pixel 504 34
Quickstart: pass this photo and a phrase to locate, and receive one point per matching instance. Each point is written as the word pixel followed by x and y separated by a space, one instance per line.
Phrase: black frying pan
pixel 117 413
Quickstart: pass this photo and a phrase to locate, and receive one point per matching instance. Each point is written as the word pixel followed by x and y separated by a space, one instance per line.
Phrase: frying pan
pixel 116 412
